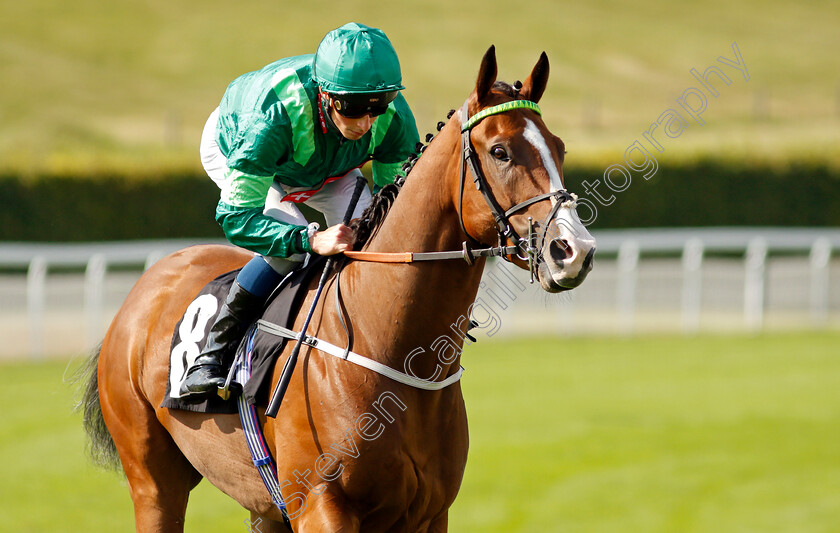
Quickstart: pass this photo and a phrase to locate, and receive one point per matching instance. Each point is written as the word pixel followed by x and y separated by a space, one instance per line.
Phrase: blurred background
pixel 689 385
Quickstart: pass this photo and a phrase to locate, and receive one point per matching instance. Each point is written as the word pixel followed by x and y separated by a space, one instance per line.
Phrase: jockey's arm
pixel 240 214
pixel 385 173
pixel 249 228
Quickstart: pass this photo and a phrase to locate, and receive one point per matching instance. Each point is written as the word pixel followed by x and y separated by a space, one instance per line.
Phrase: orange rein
pixel 381 257
pixel 466 253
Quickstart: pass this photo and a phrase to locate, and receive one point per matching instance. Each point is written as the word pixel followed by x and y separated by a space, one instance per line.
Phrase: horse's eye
pixel 499 153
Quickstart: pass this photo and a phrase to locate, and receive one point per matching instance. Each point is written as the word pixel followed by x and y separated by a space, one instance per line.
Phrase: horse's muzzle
pixel 564 266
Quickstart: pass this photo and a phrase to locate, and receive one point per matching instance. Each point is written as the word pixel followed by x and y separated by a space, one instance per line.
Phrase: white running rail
pixel 626 250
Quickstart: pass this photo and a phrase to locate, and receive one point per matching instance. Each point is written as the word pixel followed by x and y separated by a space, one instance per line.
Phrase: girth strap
pixel 360 360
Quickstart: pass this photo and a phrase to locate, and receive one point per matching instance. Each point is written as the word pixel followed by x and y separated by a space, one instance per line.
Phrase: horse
pixel 357 451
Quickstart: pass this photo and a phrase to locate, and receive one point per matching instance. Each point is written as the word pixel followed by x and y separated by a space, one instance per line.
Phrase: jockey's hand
pixel 333 240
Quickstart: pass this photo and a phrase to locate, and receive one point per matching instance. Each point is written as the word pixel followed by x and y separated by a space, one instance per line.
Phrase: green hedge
pixel 711 193
pixel 75 208
pixel 705 193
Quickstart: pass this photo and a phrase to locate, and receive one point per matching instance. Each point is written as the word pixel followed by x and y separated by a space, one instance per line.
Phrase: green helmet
pixel 357 59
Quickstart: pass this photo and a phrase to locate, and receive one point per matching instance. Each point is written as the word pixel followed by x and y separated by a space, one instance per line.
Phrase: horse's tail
pixel 102 449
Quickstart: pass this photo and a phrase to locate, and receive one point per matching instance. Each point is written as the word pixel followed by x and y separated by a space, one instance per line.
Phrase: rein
pixel 466 253
pixel 524 249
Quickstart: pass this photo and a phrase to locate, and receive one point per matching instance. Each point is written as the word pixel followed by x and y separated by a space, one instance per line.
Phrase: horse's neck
pixel 412 306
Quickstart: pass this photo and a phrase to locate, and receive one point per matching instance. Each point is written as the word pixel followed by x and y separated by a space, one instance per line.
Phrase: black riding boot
pixel 209 372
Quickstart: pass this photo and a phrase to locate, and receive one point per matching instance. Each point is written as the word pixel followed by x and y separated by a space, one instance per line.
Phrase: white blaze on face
pixel 571 231
pixel 532 135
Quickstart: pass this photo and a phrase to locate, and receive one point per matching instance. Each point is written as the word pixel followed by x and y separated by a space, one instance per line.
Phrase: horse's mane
pixel 368 224
pixel 372 218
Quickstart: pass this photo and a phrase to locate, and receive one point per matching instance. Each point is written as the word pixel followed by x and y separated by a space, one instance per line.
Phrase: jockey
pixel 297 131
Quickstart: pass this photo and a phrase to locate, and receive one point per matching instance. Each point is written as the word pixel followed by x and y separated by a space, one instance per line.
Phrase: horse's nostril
pixel 558 250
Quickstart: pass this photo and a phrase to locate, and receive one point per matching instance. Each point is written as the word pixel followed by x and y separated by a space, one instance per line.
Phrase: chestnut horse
pixel 357 451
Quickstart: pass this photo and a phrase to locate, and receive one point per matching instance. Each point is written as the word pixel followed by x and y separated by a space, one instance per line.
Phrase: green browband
pixel 501 108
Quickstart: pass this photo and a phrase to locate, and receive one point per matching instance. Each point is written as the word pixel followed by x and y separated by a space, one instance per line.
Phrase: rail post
pixel 36 277
pixel 820 259
pixel 755 271
pixel 692 289
pixel 94 296
pixel 628 271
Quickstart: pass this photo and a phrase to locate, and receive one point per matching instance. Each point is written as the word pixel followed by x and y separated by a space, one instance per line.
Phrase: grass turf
pixel 648 434
pixel 127 86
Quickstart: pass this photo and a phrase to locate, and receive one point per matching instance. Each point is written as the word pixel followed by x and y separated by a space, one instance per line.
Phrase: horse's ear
pixel 486 74
pixel 534 86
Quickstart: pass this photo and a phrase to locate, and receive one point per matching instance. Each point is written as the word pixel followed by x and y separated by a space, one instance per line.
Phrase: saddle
pixel 191 331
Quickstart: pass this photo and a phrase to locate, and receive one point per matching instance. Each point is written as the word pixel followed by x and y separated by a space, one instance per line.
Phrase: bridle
pixel 525 249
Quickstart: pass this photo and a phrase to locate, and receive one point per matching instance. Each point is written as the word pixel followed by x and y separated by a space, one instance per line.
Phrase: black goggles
pixel 359 105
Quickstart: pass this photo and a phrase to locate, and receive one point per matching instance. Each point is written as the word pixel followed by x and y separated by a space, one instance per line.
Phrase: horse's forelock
pixel 506 89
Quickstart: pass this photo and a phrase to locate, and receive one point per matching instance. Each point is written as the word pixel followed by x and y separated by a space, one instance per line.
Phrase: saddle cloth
pixel 191 332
